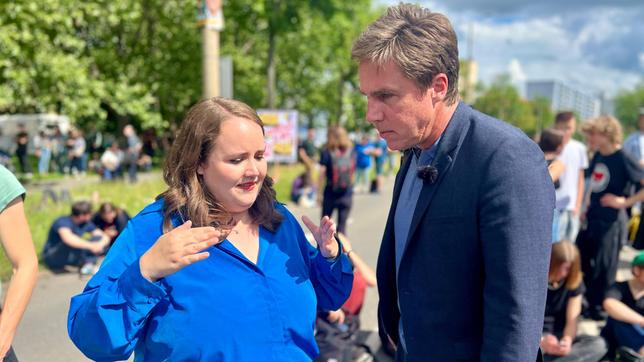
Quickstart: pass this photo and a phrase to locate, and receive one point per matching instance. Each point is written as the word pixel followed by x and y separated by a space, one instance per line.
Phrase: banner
pixel 280 126
pixel 211 15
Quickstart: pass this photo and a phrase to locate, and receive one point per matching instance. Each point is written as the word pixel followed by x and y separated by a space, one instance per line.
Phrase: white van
pixel 33 123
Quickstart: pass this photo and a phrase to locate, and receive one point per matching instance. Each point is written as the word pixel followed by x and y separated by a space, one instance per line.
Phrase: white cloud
pixel 597 46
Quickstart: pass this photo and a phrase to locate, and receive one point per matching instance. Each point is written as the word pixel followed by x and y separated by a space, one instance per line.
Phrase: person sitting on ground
pixel 363 277
pixel 560 341
pixel 344 322
pixel 111 161
pixel 624 304
pixel 111 220
pixel 303 192
pixel 66 243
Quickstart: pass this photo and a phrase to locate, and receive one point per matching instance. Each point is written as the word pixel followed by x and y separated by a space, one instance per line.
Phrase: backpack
pixel 343 165
pixel 345 342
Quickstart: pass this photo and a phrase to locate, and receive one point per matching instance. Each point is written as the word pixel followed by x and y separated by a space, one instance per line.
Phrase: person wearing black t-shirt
pixel 22 143
pixel 563 306
pixel 624 304
pixel 111 220
pixel 611 171
pixel 329 196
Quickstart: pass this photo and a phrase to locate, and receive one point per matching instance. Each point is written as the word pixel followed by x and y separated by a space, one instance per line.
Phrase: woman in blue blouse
pixel 215 269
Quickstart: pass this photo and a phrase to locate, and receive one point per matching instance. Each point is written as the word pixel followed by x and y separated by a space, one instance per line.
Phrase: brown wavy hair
pixel 187 193
pixel 566 252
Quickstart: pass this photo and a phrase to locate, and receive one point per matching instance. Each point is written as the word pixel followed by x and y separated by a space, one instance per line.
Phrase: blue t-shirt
pixel 382 145
pixel 53 237
pixel 224 308
pixel 363 160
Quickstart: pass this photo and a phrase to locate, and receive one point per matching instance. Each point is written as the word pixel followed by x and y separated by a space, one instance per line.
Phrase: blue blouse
pixel 224 308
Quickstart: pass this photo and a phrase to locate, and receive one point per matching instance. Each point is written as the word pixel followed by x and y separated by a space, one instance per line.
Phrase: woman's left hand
pixel 323 235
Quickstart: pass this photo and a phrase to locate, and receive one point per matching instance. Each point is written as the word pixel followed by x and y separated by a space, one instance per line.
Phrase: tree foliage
pixel 627 107
pixel 100 61
pixel 502 100
pixel 314 72
pixel 106 63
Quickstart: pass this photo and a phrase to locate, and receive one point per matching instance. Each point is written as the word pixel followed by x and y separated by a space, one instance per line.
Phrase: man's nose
pixel 374 113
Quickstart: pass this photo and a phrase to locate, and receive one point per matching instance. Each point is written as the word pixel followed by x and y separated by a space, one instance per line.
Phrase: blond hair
pixel 421 43
pixel 607 126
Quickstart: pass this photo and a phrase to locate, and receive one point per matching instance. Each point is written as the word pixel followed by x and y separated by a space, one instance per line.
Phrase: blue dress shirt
pixel 224 308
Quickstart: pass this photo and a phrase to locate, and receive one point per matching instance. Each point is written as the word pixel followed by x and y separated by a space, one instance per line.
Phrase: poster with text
pixel 281 134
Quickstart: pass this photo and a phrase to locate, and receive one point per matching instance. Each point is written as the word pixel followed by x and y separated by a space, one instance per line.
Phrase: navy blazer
pixel 473 276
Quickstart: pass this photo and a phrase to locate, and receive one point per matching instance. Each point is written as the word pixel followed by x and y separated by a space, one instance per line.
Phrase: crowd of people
pixel 343 167
pixel 76 152
pixel 593 201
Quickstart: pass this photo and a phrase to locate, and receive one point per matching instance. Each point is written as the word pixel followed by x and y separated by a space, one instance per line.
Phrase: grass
pixel 130 197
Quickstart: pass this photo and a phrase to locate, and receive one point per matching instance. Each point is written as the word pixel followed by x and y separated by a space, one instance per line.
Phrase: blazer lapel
pixel 388 236
pixel 447 149
pixel 400 177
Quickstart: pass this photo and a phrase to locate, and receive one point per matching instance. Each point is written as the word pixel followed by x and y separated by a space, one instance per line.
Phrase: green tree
pixel 104 63
pixel 107 63
pixel 502 100
pixel 313 71
pixel 543 114
pixel 627 106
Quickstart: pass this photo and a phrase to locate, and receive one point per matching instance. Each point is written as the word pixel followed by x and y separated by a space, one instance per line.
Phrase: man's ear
pixel 439 86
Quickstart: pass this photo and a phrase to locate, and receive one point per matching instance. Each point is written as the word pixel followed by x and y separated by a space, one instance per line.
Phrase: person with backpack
pixel 337 165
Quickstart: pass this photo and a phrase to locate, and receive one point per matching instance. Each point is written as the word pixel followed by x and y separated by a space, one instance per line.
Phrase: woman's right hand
pixel 550 344
pixel 177 249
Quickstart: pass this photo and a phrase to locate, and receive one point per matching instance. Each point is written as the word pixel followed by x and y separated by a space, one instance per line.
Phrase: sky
pixel 594 45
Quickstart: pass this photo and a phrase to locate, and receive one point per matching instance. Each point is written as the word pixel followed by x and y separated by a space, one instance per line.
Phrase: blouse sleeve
pixel 332 280
pixel 107 320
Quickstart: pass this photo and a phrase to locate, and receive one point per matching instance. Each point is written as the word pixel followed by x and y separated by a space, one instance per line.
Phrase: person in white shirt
pixel 570 194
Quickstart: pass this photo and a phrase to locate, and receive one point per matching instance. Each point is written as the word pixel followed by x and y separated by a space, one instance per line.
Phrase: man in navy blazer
pixel 462 270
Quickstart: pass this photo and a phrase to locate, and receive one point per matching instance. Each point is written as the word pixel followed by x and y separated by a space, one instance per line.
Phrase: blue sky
pixel 596 45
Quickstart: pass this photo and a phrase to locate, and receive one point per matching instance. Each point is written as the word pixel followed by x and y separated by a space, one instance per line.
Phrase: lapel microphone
pixel 429 174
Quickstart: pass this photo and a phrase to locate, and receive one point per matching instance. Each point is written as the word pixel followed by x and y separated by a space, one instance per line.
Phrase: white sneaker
pixel 88 269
